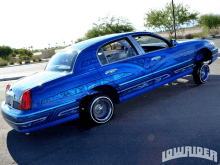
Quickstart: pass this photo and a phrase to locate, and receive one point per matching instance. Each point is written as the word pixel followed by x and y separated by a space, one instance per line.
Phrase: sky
pixel 37 23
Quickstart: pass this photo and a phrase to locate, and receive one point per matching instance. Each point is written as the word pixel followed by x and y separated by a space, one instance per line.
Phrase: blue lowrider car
pixel 87 79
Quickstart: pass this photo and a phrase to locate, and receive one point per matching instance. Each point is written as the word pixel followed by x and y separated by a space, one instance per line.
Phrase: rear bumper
pixel 42 119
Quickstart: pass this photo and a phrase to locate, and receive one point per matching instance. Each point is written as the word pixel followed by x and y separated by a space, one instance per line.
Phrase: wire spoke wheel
pixel 100 109
pixel 201 73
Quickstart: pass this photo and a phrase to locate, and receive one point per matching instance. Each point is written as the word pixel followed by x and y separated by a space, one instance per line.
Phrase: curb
pixel 12 78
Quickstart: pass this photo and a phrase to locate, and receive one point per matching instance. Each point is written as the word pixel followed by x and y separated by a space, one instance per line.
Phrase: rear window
pixel 62 61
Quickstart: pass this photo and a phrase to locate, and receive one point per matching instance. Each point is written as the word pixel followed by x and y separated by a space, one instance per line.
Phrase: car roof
pixel 99 40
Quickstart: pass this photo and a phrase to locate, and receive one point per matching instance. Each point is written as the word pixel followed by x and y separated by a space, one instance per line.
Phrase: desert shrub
pixel 3 62
pixel 13 54
pixel 25 52
pixel 27 61
pixel 39 58
pixel 195 35
pixel 179 37
pixel 20 61
pixel 188 36
pixel 171 37
pixel 12 61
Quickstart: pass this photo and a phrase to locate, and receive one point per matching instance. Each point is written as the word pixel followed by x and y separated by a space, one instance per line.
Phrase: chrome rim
pixel 204 73
pixel 102 109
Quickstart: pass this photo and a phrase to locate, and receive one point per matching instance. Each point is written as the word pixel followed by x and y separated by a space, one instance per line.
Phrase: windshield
pixel 62 61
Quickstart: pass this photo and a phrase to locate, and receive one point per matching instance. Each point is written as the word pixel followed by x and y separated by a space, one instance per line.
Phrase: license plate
pixel 9 100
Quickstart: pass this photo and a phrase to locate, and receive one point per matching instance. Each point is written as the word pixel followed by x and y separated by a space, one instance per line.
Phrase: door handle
pixel 110 71
pixel 155 58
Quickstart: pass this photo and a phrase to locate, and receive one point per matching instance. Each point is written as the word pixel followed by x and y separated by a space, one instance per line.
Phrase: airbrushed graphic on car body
pixel 86 87
pixel 57 96
pixel 145 84
pixel 89 62
pixel 145 62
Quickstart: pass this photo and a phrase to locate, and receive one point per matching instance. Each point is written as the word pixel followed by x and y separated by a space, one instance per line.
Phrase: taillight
pixel 25 101
pixel 7 88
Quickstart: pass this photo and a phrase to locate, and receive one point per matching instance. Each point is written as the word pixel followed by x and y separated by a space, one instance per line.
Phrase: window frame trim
pixel 128 38
pixel 142 50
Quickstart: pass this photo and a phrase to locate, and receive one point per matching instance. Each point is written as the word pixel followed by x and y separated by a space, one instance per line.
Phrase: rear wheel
pixel 100 109
pixel 201 73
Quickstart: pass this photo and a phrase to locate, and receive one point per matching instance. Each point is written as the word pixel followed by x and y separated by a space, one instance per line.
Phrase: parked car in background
pixel 87 79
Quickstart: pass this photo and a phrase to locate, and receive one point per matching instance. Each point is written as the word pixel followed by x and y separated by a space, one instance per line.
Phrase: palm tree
pixel 49 46
pixel 56 43
pixel 72 41
pixel 64 43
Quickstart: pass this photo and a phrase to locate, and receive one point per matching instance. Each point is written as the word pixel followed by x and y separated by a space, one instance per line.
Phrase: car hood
pixel 34 80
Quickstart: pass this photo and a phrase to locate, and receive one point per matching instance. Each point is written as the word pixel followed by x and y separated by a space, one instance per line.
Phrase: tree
pixel 108 25
pixel 5 51
pixel 210 21
pixel 163 18
pixel 25 52
pixel 15 51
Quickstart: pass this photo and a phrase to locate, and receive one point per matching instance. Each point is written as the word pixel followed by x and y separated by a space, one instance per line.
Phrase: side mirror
pixel 173 42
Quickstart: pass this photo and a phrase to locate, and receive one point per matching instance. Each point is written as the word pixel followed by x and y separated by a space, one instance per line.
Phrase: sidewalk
pixel 18 71
pixel 15 76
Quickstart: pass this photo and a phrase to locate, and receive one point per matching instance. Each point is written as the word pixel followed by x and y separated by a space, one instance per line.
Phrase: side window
pixel 116 51
pixel 149 43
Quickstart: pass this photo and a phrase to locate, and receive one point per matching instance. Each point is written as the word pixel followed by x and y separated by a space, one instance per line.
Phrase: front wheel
pixel 201 73
pixel 100 108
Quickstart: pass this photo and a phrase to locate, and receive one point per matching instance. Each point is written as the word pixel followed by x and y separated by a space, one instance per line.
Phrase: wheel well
pixel 203 55
pixel 110 91
pixel 104 89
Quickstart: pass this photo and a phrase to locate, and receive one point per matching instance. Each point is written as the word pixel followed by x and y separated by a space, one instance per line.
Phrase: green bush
pixel 27 61
pixel 25 52
pixel 3 62
pixel 39 58
pixel 5 52
pixel 12 61
pixel 189 36
pixel 171 37
pixel 13 54
pixel 195 35
pixel 20 62
pixel 34 59
pixel 179 37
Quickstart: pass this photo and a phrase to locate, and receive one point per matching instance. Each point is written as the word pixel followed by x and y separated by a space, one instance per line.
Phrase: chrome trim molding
pixel 183 69
pixel 40 119
pixel 62 113
pixel 146 82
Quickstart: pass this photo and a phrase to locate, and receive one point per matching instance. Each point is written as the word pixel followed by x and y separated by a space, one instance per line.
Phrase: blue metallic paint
pixel 56 96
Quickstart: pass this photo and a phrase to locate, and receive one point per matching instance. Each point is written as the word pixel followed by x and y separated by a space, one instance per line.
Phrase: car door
pixel 166 61
pixel 122 63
